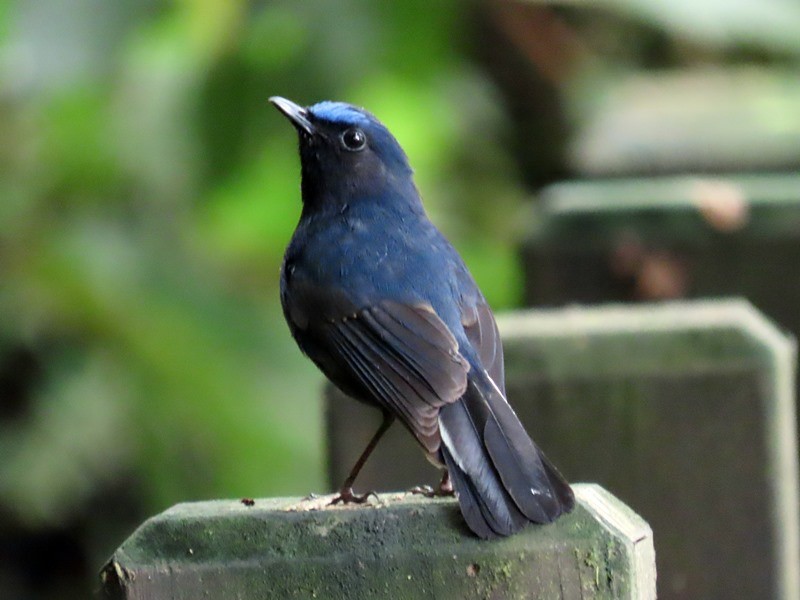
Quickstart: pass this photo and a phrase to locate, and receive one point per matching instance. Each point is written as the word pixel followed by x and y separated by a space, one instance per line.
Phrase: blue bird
pixel 382 303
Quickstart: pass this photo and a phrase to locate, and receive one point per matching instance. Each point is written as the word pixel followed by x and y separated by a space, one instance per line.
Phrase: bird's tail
pixel 503 480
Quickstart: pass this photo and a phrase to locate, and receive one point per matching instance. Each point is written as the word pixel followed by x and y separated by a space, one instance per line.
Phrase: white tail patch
pixel 494 385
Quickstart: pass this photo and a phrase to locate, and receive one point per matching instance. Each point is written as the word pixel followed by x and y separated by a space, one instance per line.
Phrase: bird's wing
pixel 482 333
pixel 406 358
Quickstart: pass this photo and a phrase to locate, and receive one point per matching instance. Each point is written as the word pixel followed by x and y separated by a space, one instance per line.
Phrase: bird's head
pixel 345 152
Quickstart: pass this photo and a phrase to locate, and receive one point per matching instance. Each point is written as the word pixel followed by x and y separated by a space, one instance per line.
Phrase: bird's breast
pixel 368 257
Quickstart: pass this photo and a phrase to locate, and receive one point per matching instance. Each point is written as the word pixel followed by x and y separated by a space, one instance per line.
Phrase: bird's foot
pixel 444 490
pixel 346 496
pixel 423 490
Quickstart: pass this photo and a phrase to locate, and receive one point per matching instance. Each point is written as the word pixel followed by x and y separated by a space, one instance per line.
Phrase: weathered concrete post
pixel 684 410
pixel 403 547
pixel 669 238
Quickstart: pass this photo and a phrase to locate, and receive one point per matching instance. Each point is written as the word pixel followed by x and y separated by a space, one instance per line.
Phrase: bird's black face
pixel 346 153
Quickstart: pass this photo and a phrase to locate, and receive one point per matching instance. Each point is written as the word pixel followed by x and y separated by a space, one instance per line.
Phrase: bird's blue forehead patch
pixel 339 112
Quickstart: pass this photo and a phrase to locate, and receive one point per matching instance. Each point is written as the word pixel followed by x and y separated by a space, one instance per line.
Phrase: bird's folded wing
pixel 408 360
pixel 482 333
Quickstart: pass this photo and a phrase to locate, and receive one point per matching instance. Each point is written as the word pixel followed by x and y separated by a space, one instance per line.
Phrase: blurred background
pixel 147 191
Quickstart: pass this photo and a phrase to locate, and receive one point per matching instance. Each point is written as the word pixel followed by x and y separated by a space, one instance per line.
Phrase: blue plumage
pixel 383 304
pixel 340 112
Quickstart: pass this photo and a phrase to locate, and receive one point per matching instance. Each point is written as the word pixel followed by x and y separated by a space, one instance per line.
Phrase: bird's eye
pixel 354 139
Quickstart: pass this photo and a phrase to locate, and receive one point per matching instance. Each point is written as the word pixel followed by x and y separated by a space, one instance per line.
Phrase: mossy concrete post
pixel 684 410
pixel 660 238
pixel 402 547
pixel 677 119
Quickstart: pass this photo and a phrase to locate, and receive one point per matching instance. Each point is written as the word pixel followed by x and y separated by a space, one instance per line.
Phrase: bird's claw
pixel 423 490
pixel 346 496
pixel 443 491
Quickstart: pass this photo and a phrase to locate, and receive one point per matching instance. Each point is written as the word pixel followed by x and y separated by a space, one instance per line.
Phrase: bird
pixel 382 303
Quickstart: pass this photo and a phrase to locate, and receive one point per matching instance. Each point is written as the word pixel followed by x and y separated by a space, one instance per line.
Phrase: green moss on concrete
pixel 610 353
pixel 410 548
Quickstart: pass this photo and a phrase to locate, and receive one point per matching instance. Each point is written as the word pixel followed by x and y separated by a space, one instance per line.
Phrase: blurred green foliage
pixel 147 192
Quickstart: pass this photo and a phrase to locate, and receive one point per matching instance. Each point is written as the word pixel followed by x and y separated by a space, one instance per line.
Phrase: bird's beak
pixel 296 114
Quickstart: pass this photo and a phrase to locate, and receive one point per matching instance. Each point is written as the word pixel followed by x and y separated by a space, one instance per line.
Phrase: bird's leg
pixel 445 485
pixel 445 488
pixel 346 495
